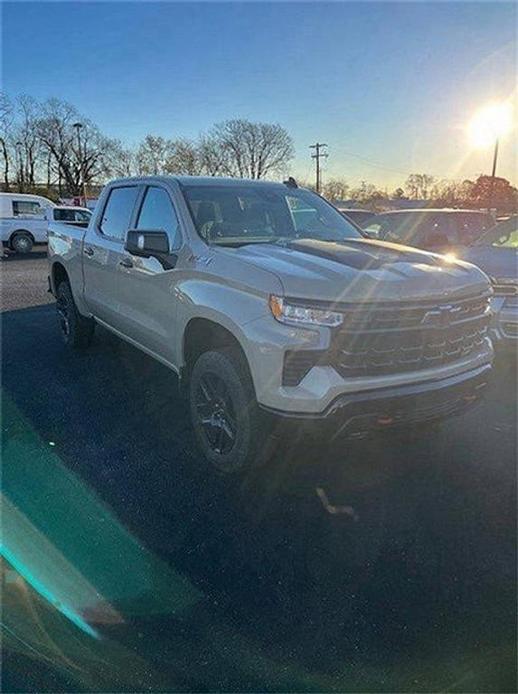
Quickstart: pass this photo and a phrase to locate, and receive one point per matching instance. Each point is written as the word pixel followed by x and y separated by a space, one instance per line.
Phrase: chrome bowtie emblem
pixel 441 315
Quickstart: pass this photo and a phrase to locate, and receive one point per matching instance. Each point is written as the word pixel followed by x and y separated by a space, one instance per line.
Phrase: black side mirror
pixel 150 244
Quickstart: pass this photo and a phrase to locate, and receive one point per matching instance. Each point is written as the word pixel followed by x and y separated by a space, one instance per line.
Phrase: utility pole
pixel 21 177
pixel 493 174
pixel 82 177
pixel 319 154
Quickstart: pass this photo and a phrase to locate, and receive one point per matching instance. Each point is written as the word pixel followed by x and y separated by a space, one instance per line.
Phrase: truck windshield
pixel 243 213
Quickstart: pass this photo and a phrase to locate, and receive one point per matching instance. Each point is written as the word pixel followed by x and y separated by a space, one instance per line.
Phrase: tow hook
pixel 332 509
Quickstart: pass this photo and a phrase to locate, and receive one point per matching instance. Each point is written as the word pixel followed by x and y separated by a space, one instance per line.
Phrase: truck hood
pixel 363 270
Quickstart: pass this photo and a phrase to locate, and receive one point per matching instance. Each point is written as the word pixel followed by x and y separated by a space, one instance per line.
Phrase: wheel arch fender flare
pixel 216 327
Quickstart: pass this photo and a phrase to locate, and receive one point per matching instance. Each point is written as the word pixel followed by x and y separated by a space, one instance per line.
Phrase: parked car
pixel 23 220
pixel 360 217
pixel 263 317
pixel 496 252
pixel 430 229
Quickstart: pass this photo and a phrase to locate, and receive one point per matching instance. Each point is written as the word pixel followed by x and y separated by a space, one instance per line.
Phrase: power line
pixel 377 165
pixel 318 146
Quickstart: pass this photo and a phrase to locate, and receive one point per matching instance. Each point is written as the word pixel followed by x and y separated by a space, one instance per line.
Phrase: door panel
pixel 147 290
pixel 101 257
pixel 148 304
pixel 103 250
pixel 132 294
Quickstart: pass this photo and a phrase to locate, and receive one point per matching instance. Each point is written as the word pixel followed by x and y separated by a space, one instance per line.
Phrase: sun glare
pixel 450 257
pixel 490 123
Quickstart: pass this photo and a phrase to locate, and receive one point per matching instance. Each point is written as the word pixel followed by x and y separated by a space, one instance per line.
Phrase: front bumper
pixel 359 413
pixel 266 342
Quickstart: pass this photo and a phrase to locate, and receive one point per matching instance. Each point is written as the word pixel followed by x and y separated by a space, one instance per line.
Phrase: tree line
pixel 51 148
pixel 51 145
pixel 484 191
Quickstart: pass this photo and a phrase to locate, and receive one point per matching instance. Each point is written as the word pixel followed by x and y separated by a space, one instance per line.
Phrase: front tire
pixel 76 330
pixel 226 419
pixel 22 242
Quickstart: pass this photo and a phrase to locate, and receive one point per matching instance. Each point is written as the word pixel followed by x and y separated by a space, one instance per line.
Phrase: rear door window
pixel 64 215
pixel 82 216
pixel 117 212
pixel 27 208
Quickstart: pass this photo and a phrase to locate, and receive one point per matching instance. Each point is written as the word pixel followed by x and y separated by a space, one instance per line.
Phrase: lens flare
pixel 490 123
pixel 450 257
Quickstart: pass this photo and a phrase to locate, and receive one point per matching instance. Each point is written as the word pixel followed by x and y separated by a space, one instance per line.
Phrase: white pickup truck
pixel 268 303
pixel 24 219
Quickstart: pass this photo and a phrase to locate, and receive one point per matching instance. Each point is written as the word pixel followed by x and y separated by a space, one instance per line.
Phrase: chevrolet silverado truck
pixel 268 303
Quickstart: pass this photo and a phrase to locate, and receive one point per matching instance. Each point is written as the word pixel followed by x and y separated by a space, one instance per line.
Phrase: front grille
pixel 510 329
pixel 505 289
pixel 386 339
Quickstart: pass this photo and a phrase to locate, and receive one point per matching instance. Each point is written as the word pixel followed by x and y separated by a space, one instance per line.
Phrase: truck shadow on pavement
pixel 411 547
pixel 12 257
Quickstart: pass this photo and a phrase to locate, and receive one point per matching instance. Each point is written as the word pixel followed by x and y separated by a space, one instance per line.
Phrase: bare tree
pixel 27 138
pixel 213 156
pixel 427 182
pixel 366 193
pixel 335 189
pixel 419 185
pixel 78 159
pixel 413 185
pixel 55 129
pixel 252 150
pixel 52 141
pixel 119 161
pixel 153 155
pixel 6 120
pixel 184 158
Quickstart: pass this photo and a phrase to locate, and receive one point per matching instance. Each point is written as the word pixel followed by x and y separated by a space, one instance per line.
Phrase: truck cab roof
pixel 197 180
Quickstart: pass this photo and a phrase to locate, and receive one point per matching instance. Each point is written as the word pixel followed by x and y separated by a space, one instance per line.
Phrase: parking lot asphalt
pixel 433 527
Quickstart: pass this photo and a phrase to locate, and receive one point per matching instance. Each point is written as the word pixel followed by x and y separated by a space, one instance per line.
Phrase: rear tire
pixel 226 419
pixel 22 242
pixel 76 330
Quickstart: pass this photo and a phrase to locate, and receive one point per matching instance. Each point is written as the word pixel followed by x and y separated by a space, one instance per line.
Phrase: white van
pixel 23 220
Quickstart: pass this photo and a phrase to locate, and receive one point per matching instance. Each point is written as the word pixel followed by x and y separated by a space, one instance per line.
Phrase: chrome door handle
pixel 126 262
pixel 89 251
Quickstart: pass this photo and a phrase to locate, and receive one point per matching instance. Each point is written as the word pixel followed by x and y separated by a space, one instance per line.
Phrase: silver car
pixel 496 253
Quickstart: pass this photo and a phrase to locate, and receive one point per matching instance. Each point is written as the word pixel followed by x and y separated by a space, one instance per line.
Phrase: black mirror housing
pixel 151 244
pixel 147 243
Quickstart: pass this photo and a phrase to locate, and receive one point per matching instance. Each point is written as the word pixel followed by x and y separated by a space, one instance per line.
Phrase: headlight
pixel 295 313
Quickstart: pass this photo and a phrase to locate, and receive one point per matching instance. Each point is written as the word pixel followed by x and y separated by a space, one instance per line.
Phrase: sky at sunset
pixel 389 86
